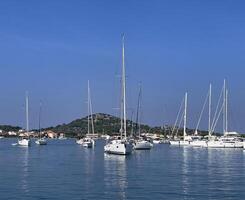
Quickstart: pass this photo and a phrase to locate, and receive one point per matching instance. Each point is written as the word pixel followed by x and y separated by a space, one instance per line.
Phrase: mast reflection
pixel 116 175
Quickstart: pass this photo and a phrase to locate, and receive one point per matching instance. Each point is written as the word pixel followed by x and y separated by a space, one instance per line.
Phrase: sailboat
pixel 88 141
pixel 40 141
pixel 197 140
pixel 121 146
pixel 140 143
pixel 229 139
pixel 186 139
pixel 25 141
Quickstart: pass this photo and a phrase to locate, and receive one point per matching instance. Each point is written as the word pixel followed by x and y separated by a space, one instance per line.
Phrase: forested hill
pixel 107 124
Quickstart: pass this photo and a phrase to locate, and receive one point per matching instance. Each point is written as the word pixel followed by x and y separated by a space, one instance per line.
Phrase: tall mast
pixel 39 121
pixel 139 109
pixel 185 115
pixel 121 111
pixel 124 90
pixel 88 109
pixel 27 113
pixel 91 111
pixel 209 109
pixel 224 107
pixel 226 111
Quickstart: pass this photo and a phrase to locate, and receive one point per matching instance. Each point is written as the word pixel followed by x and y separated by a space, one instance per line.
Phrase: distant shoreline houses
pixel 23 133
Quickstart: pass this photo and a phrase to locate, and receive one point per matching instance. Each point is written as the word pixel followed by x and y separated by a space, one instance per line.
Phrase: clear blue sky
pixel 51 48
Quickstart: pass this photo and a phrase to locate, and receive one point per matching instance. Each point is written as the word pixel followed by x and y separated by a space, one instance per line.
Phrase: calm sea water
pixel 65 170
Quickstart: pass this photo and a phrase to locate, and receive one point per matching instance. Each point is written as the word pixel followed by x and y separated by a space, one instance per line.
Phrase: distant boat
pixel 157 140
pixel 121 146
pixel 104 136
pixel 140 143
pixel 89 141
pixel 86 142
pixel 25 140
pixel 62 136
pixel 40 141
pixel 1 137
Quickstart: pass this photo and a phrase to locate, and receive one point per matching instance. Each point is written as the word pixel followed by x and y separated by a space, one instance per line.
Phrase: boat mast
pixel 226 111
pixel 224 108
pixel 139 105
pixel 124 90
pixel 27 113
pixel 39 122
pixel 209 109
pixel 91 111
pixel 88 110
pixel 185 115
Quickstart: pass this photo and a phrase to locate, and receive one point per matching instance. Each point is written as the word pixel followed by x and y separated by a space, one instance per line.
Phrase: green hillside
pixel 108 124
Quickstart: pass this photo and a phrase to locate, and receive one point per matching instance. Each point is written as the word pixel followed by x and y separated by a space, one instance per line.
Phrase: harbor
pixel 80 173
pixel 122 100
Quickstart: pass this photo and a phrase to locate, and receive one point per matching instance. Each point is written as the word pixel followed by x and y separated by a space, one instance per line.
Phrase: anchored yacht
pixel 41 140
pixel 89 140
pixel 186 139
pixel 140 143
pixel 25 140
pixel 121 146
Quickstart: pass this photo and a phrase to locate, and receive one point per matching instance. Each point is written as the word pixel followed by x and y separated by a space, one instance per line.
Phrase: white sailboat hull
pixel 86 142
pixel 215 144
pixel 239 145
pixel 198 143
pixel 225 144
pixel 157 141
pixel 184 143
pixel 24 142
pixel 118 147
pixel 143 145
pixel 233 144
pixel 41 142
pixel 174 142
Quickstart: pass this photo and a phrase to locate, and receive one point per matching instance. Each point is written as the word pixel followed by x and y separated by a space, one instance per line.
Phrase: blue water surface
pixel 64 170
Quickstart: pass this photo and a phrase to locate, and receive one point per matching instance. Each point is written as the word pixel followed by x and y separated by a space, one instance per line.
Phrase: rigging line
pixel 216 121
pixel 216 110
pixel 91 112
pixel 203 107
pixel 176 121
pixel 182 116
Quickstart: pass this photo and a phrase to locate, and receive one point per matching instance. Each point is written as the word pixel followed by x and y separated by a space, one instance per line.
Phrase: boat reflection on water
pixel 89 157
pixel 221 163
pixel 24 173
pixel 185 172
pixel 115 177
